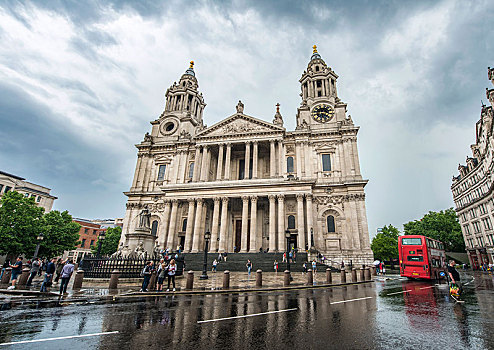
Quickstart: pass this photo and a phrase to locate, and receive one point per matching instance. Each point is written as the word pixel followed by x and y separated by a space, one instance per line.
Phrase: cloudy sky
pixel 80 82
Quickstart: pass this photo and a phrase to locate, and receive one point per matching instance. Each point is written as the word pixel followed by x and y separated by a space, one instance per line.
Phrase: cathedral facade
pixel 253 184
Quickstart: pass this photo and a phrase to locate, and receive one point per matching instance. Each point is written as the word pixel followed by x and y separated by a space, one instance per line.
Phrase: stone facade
pixel 473 189
pixel 248 181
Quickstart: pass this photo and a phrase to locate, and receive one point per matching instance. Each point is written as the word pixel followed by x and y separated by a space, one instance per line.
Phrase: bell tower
pixel 320 105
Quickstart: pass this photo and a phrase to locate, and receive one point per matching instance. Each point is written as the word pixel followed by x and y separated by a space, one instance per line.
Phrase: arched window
pixel 291 222
pixel 191 170
pixel 289 164
pixel 330 221
pixel 154 228
pixel 184 225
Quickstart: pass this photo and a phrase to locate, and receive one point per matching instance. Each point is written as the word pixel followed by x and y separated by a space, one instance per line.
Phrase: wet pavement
pixel 390 313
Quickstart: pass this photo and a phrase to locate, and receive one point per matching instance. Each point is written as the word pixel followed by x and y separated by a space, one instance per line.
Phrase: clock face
pixel 322 113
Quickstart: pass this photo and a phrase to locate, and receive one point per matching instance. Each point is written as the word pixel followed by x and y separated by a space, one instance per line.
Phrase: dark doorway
pixel 293 242
pixel 238 235
pixel 182 241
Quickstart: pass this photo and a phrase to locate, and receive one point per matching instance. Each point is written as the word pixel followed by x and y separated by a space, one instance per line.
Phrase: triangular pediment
pixel 239 124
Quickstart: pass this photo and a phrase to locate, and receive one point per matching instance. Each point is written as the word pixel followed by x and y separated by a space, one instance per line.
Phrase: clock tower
pixel 320 107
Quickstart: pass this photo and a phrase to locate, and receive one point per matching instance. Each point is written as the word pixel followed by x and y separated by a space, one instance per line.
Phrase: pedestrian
pixel 16 271
pixel 4 267
pixel 220 257
pixel 342 265
pixel 314 266
pixel 294 255
pixel 172 269
pixel 304 267
pixel 50 270
pixel 58 269
pixel 234 249
pixel 290 256
pixel 454 276
pixel 225 255
pixel 162 269
pixel 215 263
pixel 249 266
pixel 35 268
pixel 66 273
pixel 147 271
pixel 284 257
pixel 275 264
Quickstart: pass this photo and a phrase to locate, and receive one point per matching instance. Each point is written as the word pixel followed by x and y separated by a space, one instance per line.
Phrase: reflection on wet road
pixel 387 314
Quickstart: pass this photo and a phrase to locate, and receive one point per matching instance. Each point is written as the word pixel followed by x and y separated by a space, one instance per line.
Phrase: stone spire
pixel 278 119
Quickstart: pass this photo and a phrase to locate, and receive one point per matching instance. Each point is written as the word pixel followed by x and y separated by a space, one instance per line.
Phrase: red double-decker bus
pixel 421 257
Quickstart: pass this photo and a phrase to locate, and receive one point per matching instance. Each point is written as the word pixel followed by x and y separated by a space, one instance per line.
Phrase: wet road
pixel 387 314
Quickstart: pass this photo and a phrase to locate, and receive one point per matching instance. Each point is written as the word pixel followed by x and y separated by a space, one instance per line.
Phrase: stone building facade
pixel 249 181
pixel 473 189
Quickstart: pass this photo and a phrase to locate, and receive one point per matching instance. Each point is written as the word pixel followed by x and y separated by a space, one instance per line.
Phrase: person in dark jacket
pixel 146 273
pixel 50 270
pixel 4 267
pixel 59 268
pixel 35 268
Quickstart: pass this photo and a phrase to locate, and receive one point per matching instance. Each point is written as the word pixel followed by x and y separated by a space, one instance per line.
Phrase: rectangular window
pixel 415 258
pixel 83 243
pixel 326 162
pixel 411 241
pixel 7 189
pixel 95 232
pixel 161 172
pixel 241 169
pixel 92 243
pixel 191 170
pixel 86 230
pixel 26 195
pixel 38 199
pixel 1 188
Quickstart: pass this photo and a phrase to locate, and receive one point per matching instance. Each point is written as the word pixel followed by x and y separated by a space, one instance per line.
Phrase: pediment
pixel 239 124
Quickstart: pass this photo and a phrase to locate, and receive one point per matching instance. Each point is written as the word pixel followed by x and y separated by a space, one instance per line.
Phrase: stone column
pixel 355 157
pixel 173 224
pixel 272 159
pixel 197 164
pixel 215 227
pixel 247 160
pixel 348 157
pixel 272 223
pixel 183 168
pixel 176 166
pixel 197 227
pixel 281 223
pixel 166 221
pixel 219 168
pixel 300 221
pixel 204 163
pixel 224 224
pixel 253 225
pixel 245 223
pixel 299 160
pixel 136 172
pixel 341 156
pixel 190 225
pixel 254 160
pixel 208 163
pixel 281 159
pixel 307 153
pixel 228 161
pixel 308 198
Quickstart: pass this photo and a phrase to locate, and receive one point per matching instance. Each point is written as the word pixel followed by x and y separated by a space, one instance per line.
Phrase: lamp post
pixel 39 239
pixel 311 237
pixel 207 237
pixel 287 236
pixel 101 237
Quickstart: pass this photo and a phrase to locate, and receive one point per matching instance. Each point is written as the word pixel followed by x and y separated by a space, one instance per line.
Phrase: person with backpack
pixel 172 269
pixel 50 270
pixel 147 271
pixel 162 272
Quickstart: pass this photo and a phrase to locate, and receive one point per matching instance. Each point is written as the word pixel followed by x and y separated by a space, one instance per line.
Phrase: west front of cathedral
pixel 254 185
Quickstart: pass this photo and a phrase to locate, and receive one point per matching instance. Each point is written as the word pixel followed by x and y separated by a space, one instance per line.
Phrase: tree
pixel 20 223
pixel 443 226
pixel 109 245
pixel 60 233
pixel 385 244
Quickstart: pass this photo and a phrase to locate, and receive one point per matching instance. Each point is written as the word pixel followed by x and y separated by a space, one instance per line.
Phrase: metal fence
pixel 95 267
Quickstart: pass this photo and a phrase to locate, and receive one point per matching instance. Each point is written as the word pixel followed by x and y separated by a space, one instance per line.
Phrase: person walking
pixel 225 255
pixel 172 269
pixel 314 266
pixel 50 270
pixel 35 269
pixel 162 269
pixel 215 264
pixel 146 273
pixel 58 269
pixel 4 267
pixel 249 266
pixel 66 273
pixel 284 257
pixel 454 275
pixel 16 271
pixel 304 267
pixel 275 265
pixel 220 257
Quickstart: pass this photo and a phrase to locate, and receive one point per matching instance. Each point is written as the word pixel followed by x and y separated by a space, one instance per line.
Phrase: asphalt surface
pixel 390 313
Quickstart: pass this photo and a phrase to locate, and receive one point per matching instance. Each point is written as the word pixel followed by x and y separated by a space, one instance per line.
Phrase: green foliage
pixel 20 224
pixel 60 233
pixel 109 244
pixel 443 226
pixel 385 244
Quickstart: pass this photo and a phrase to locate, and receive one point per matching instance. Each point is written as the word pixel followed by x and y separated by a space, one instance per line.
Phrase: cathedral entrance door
pixel 238 235
pixel 182 242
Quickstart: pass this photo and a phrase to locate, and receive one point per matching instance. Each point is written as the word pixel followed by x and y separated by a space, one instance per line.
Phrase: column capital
pixel 216 199
pixel 308 196
pixel 166 201
pixel 221 145
pixel 174 201
pixel 225 200
pixel 255 142
pixel 248 142
pixel 281 197
pixel 272 141
pixel 191 201
pixel 253 198
pixel 228 144
pixel 245 199
pixel 271 197
pixel 300 197
pixel 199 201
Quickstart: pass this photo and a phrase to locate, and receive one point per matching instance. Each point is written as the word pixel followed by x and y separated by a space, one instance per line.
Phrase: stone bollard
pixel 115 275
pixel 189 284
pixel 329 277
pixel 259 278
pixel 354 275
pixel 362 274
pixel 6 275
pixel 343 276
pixel 367 274
pixel 373 271
pixel 286 279
pixel 310 277
pixel 79 276
pixel 152 281
pixel 226 280
pixel 22 279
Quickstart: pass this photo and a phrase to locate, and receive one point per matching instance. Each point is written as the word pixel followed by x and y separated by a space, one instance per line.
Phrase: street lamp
pixel 311 237
pixel 207 237
pixel 39 239
pixel 287 236
pixel 101 237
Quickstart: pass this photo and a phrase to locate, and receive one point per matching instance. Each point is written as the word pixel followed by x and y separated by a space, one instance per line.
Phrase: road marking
pixel 404 291
pixel 469 282
pixel 58 338
pixel 346 301
pixel 244 316
pixel 428 287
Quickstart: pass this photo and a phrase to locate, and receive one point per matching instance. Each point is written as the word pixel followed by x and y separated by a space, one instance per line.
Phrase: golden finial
pixel 191 64
pixel 314 49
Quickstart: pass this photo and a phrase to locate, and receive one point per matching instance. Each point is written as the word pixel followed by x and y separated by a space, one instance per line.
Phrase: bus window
pixel 411 241
pixel 415 258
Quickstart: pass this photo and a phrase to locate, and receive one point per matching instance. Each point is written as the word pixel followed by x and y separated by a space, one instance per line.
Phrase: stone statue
pixel 119 253
pixel 148 138
pixel 240 107
pixel 139 251
pixel 144 219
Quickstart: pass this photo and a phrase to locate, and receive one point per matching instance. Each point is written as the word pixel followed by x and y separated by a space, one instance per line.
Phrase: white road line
pixel 346 301
pixel 58 338
pixel 404 291
pixel 428 287
pixel 244 316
